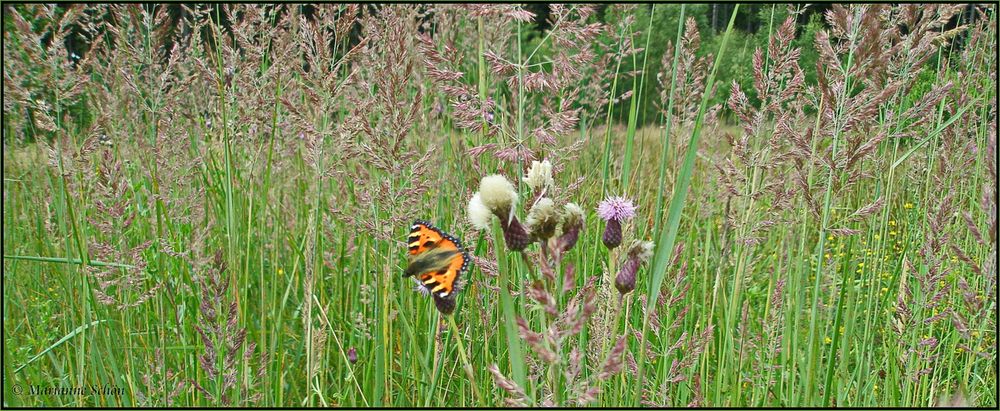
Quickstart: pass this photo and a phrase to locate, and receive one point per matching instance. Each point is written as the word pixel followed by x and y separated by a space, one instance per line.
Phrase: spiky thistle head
pixel 515 234
pixel 614 210
pixel 639 252
pixel 543 219
pixel 498 195
pixel 539 176
pixel 572 222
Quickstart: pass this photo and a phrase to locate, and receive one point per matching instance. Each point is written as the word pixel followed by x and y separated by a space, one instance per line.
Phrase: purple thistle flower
pixel 614 210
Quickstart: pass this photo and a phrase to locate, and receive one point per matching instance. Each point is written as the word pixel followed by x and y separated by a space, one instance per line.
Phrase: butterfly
pixel 436 260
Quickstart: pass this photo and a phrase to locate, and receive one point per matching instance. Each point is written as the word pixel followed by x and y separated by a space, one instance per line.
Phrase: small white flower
pixel 479 214
pixel 539 176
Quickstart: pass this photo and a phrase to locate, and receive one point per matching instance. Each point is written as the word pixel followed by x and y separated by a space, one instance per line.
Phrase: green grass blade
pixel 669 233
pixel 63 260
pixel 62 340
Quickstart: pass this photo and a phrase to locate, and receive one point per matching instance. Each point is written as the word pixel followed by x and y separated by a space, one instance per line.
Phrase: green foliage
pixel 234 235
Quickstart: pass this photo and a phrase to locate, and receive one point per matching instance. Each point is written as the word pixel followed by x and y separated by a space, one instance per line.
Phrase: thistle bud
pixel 625 281
pixel 612 234
pixel 613 211
pixel 514 234
pixel 572 222
pixel 639 253
pixel 446 305
pixel 352 355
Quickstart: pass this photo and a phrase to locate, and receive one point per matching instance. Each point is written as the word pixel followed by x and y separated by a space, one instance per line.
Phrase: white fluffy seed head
pixel 497 194
pixel 643 250
pixel 539 176
pixel 542 218
pixel 572 215
pixel 479 214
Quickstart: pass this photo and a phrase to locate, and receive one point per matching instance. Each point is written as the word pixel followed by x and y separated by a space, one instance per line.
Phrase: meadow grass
pixel 216 216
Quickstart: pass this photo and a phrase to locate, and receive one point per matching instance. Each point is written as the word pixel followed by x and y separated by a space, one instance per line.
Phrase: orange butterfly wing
pixel 424 237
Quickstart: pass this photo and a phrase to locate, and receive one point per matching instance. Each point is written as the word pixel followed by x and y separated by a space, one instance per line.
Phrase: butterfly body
pixel 436 260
